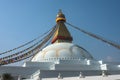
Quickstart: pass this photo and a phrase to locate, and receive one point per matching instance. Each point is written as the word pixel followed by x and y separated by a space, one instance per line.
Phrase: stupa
pixel 64 60
pixel 62 46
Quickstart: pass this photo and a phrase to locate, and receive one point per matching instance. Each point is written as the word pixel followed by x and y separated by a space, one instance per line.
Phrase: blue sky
pixel 24 20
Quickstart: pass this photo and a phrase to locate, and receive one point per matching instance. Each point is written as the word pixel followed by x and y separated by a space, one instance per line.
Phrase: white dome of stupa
pixel 62 50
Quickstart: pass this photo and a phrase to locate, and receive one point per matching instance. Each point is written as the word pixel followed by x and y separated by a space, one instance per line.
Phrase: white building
pixel 63 60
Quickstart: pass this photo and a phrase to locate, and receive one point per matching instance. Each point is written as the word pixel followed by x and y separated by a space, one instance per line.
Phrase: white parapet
pixel 103 66
pixel 111 77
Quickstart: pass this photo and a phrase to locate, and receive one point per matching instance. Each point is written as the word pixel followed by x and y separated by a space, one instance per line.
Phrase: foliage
pixel 7 76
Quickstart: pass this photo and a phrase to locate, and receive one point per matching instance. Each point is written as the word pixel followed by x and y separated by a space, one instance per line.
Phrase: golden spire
pixel 60 16
pixel 62 34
